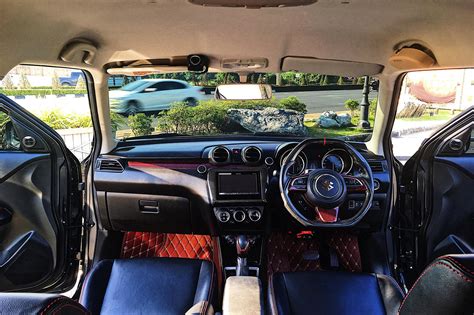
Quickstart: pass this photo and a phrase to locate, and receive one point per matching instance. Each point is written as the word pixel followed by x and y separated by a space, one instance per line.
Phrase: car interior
pixel 236 223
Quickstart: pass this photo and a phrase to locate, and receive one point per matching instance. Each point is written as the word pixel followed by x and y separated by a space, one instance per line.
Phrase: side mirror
pixel 149 90
pixel 8 137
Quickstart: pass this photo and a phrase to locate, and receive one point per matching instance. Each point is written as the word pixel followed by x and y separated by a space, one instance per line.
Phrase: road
pixel 321 101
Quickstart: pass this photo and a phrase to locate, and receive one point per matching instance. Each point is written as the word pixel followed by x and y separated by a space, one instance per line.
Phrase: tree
pixel 80 84
pixel 55 81
pixel 351 105
pixel 324 80
pixel 24 83
pixel 7 82
pixel 360 80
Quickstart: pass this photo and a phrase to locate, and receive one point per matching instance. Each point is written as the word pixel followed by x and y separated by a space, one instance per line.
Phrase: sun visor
pixel 330 67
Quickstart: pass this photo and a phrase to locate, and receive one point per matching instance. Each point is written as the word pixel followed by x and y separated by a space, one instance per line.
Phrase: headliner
pixel 34 31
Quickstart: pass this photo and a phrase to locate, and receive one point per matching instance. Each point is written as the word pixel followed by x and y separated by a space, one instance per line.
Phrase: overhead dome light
pixel 415 56
pixel 252 4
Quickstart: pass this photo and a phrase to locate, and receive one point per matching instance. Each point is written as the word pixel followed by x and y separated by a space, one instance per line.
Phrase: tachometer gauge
pixel 333 162
pixel 298 167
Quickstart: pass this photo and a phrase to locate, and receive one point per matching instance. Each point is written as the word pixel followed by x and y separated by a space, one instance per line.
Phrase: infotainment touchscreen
pixel 238 184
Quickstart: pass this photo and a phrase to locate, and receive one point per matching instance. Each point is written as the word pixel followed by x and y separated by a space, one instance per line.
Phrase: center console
pixel 238 197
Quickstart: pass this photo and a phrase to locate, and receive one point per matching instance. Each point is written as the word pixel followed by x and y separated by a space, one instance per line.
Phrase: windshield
pixel 302 104
pixel 133 86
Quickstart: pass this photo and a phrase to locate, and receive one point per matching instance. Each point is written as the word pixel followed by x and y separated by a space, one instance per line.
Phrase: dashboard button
pixel 223 216
pixel 239 216
pixel 254 215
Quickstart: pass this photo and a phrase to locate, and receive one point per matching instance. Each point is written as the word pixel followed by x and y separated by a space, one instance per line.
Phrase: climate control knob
pixel 254 215
pixel 223 216
pixel 239 216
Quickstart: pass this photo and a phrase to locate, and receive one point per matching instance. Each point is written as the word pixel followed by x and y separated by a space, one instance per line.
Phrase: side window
pixel 428 100
pixel 57 96
pixel 175 85
pixel 8 139
pixel 156 87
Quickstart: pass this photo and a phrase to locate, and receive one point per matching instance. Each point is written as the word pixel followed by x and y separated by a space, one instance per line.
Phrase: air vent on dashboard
pixel 251 155
pixel 109 165
pixel 376 166
pixel 219 155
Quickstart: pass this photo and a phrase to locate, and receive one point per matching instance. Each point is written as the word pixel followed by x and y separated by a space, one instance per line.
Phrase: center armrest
pixel 242 295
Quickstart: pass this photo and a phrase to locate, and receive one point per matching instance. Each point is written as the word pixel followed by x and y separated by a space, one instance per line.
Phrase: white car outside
pixel 150 95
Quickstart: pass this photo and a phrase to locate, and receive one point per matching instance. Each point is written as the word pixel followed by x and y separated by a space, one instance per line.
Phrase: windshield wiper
pixel 160 135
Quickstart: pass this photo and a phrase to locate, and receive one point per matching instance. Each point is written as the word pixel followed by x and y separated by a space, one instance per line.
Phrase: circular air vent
pixel 251 155
pixel 219 155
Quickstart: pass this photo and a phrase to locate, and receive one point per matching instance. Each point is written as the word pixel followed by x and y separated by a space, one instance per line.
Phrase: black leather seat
pixel 149 286
pixel 445 287
pixel 39 303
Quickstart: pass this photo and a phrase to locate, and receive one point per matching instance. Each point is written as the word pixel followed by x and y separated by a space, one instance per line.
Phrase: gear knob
pixel 242 243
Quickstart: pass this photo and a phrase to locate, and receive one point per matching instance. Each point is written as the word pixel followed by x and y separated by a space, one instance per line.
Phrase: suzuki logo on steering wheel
pixel 328 185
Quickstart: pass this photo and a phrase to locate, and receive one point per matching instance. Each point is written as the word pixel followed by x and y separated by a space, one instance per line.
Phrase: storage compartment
pixel 242 295
pixel 140 212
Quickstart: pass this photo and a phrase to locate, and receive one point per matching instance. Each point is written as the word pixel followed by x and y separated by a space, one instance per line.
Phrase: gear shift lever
pixel 243 244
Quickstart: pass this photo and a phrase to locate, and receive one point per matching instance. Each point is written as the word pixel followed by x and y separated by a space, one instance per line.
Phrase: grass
pixel 317 132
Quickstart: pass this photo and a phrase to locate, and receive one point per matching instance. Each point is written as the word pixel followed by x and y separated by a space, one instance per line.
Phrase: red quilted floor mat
pixel 286 252
pixel 147 244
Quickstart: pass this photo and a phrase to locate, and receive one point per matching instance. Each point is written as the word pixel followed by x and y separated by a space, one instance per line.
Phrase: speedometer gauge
pixel 333 162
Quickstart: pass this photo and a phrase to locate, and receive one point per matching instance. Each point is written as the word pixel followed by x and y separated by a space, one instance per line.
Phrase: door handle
pixel 5 216
pixel 149 206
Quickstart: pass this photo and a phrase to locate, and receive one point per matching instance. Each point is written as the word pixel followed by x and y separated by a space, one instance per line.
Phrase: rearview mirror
pixel 243 92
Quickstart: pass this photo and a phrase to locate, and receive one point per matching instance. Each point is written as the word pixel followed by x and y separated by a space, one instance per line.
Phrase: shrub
pixel 116 120
pixel 58 120
pixel 210 117
pixel 41 92
pixel 292 102
pixel 140 124
pixel 351 105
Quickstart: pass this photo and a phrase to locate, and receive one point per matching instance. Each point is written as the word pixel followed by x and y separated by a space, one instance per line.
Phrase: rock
pixel 327 122
pixel 344 120
pixel 330 119
pixel 329 114
pixel 269 119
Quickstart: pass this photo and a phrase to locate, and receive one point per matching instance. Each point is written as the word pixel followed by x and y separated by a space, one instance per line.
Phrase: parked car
pixel 151 95
pixel 71 80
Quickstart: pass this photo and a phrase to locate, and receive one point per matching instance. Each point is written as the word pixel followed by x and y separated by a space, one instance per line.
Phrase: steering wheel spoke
pixel 355 184
pixel 327 215
pixel 298 184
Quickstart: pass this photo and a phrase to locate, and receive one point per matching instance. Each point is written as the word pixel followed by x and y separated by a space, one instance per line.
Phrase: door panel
pixel 452 217
pixel 41 205
pixel 436 202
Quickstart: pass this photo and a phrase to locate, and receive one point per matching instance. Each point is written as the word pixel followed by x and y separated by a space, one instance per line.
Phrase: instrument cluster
pixel 336 159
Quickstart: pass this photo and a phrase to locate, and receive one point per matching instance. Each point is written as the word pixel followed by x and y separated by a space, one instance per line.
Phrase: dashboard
pixel 217 185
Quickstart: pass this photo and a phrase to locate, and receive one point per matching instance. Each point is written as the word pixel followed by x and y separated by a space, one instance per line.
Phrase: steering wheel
pixel 323 191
